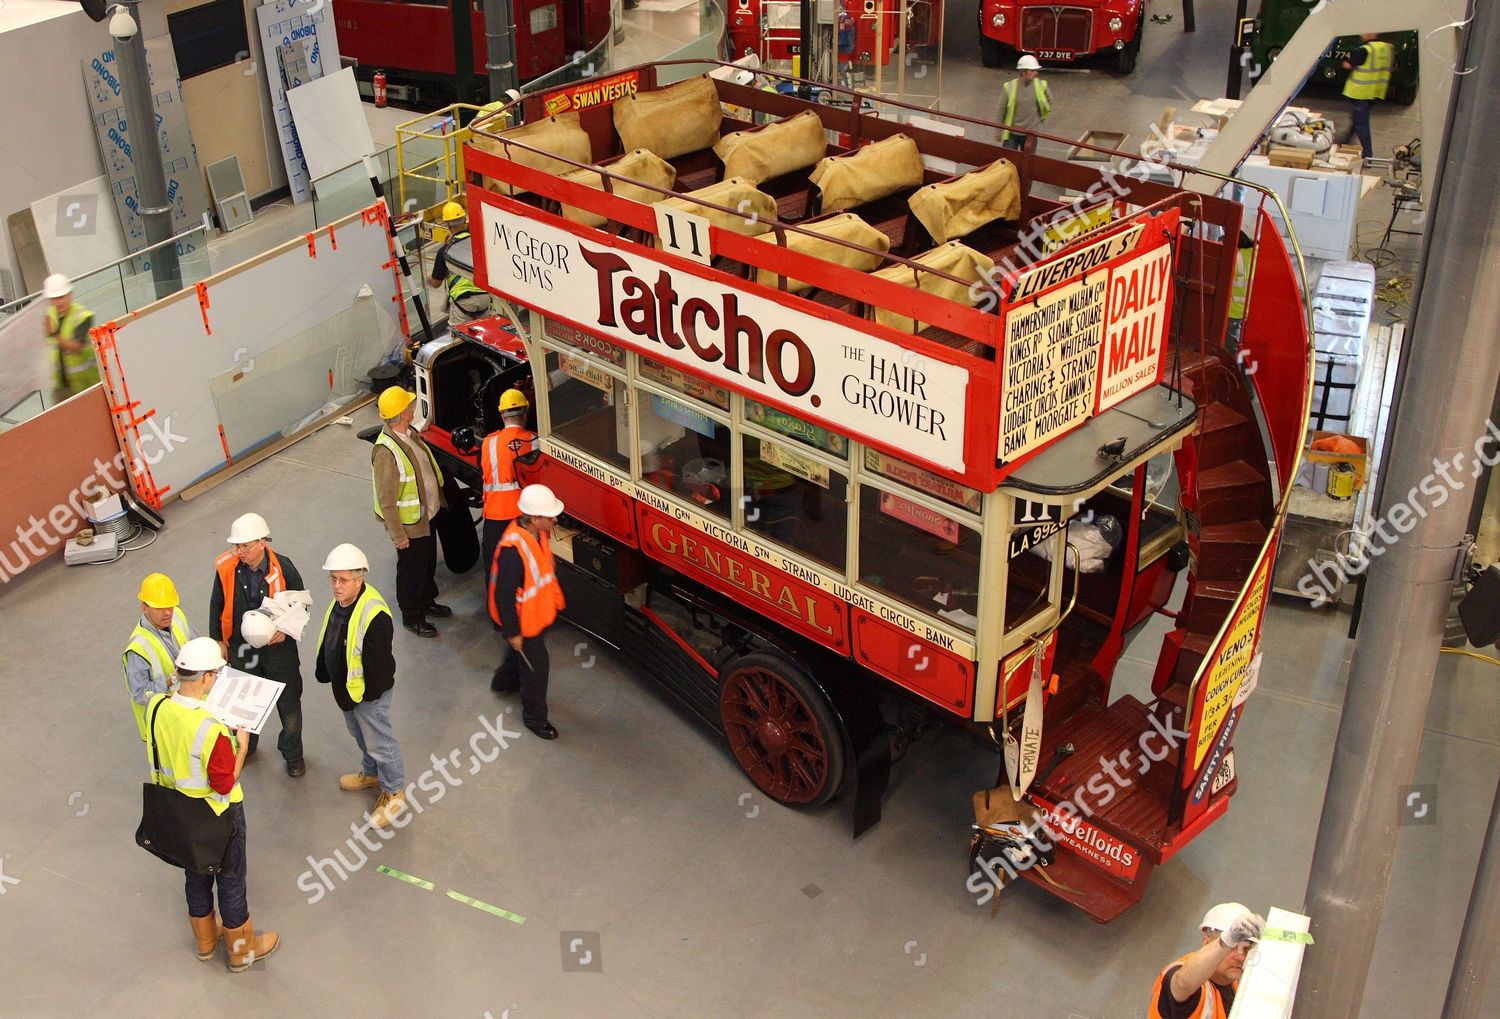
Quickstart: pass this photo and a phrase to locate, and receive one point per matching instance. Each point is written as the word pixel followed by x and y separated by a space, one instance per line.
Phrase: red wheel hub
pixel 774 735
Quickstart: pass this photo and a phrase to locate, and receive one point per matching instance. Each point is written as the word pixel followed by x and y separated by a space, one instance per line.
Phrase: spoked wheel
pixel 782 730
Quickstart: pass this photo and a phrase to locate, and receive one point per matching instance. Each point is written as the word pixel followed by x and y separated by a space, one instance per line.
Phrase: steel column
pixel 145 151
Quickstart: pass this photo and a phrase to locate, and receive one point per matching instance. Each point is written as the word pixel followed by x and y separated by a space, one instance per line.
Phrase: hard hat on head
pixel 56 285
pixel 393 401
pixel 201 654
pixel 248 527
pixel 257 628
pixel 539 501
pixel 158 591
pixel 513 399
pixel 346 557
pixel 452 211
pixel 1223 916
pixel 1028 63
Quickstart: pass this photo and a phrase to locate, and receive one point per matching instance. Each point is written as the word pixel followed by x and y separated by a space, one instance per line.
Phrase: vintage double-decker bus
pixel 860 425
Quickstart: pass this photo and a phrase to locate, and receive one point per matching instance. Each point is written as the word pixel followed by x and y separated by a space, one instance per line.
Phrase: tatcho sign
pixel 824 371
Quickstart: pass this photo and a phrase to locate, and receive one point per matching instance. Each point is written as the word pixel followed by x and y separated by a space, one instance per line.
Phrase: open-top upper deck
pixel 941 297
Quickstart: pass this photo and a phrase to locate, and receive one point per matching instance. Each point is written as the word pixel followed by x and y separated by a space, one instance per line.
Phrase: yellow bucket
pixel 1341 481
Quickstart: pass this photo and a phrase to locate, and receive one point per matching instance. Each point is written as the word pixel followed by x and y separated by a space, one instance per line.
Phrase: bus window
pixel 677 380
pixel 1028 583
pixel 796 500
pixel 921 557
pixel 586 407
pixel 782 423
pixel 684 451
pixel 1160 510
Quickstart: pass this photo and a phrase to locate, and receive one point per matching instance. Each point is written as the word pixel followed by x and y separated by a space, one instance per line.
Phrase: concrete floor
pixel 636 831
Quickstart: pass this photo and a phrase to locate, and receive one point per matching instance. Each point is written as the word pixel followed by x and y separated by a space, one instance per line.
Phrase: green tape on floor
pixel 402 876
pixel 1295 937
pixel 513 918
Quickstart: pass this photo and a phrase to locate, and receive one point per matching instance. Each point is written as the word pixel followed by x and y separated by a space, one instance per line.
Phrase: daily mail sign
pixel 859 383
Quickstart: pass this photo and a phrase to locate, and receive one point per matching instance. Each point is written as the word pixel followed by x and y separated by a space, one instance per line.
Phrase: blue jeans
pixel 233 910
pixel 1361 128
pixel 370 725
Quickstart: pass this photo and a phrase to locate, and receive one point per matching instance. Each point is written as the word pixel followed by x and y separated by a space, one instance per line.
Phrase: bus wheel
pixel 782 730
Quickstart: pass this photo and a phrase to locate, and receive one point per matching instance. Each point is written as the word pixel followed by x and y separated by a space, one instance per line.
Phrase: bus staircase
pixel 1228 498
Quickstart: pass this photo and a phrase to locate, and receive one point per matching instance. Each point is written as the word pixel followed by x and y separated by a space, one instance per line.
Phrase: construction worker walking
pixel 199 758
pixel 466 300
pixel 1368 80
pixel 355 657
pixel 408 496
pixel 68 324
pixel 1024 107
pixel 151 653
pixel 244 577
pixel 525 599
pixel 497 464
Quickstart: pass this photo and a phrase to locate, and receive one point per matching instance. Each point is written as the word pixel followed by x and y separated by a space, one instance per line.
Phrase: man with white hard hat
pixel 355 658
pixel 68 324
pixel 408 497
pixel 1024 102
pixel 524 601
pixel 1202 984
pixel 200 759
pixel 244 577
pixel 151 652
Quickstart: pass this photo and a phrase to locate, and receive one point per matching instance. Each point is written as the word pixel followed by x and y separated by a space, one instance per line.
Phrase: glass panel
pixel 781 422
pixel 675 378
pixel 543 19
pixel 685 451
pixel 587 408
pixel 925 481
pixel 593 345
pixel 1028 587
pixel 918 556
pixel 795 500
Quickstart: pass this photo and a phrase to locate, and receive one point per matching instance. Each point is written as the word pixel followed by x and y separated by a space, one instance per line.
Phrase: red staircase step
pixel 1100 896
pixel 1195 648
pixel 1226 434
pixel 1232 491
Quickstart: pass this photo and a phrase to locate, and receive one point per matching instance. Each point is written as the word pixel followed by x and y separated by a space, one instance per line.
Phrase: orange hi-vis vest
pixel 497 463
pixel 540 597
pixel 225 565
pixel 1210 1004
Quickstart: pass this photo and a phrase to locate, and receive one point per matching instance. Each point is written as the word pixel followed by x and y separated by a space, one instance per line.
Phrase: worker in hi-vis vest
pixel 1024 102
pixel 1368 80
pixel 151 652
pixel 408 497
pixel 68 324
pixel 497 466
pixel 466 300
pixel 1202 984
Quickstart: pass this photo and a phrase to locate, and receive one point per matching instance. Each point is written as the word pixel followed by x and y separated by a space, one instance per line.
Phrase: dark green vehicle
pixel 1280 19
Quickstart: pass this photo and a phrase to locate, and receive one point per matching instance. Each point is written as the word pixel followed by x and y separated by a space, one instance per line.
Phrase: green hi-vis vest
pixel 1370 79
pixel 1043 102
pixel 145 642
pixel 408 493
pixel 460 285
pixel 369 605
pixel 1244 270
pixel 78 370
pixel 186 738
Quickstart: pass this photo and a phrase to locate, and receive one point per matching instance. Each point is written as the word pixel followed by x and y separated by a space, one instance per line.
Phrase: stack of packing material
pixel 1342 303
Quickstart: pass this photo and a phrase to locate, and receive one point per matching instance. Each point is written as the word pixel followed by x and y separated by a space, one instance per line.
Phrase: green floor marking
pixel 466 900
pixel 403 876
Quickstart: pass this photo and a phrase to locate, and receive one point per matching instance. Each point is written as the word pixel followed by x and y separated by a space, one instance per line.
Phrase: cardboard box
pixel 1290 156
pixel 1359 461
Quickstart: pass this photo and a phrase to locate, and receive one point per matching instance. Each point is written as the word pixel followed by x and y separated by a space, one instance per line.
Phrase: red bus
pixel 843 459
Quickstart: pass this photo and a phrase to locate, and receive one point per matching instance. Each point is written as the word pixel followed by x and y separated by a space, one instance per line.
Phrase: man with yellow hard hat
pixel 408 496
pixel 466 300
pixel 497 464
pixel 152 649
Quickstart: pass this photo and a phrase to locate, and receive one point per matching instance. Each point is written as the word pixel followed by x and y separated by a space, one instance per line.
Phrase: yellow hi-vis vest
pixel 369 605
pixel 144 642
pixel 186 738
pixel 1244 270
pixel 79 370
pixel 1043 102
pixel 458 284
pixel 1370 79
pixel 408 491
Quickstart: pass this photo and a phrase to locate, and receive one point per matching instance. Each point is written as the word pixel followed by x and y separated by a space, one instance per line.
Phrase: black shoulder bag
pixel 182 830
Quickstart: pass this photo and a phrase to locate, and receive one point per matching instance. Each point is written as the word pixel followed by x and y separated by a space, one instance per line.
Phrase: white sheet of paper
pixel 243 701
pixel 289 610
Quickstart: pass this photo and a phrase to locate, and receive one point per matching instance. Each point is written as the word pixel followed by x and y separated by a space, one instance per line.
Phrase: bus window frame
pixel 649 387
pixel 545 346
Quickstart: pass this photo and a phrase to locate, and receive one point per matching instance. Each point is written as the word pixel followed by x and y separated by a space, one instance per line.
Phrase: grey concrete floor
pixel 636 831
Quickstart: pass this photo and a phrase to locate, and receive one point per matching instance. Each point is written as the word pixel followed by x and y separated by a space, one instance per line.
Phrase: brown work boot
pixel 387 809
pixel 208 933
pixel 245 947
pixel 358 780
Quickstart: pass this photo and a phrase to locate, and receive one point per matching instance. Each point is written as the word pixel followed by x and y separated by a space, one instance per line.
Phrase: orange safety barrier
pixel 203 305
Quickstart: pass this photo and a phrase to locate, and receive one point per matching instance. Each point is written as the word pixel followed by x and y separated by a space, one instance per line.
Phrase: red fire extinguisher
pixel 379 82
